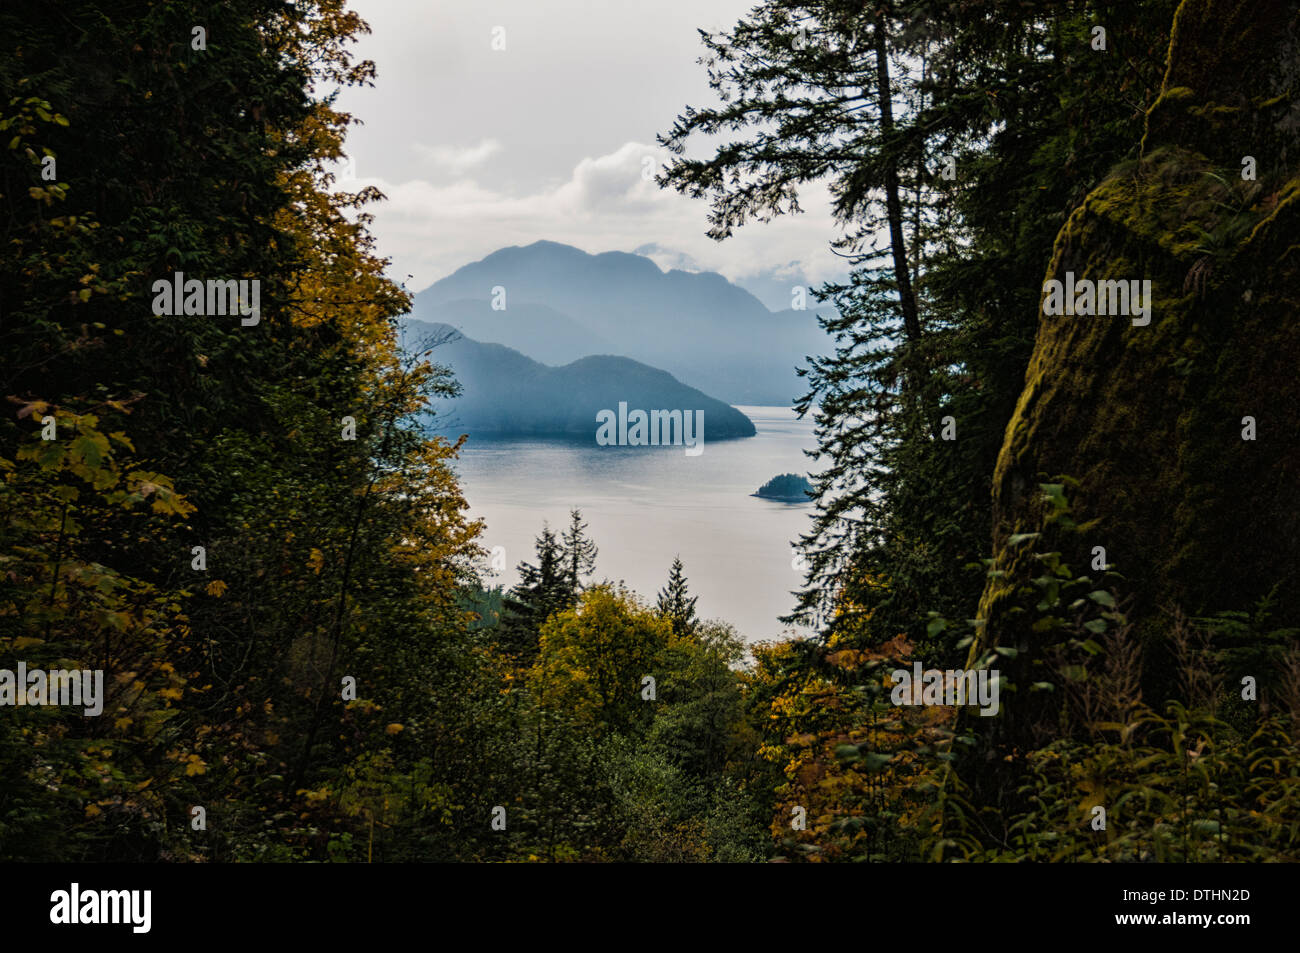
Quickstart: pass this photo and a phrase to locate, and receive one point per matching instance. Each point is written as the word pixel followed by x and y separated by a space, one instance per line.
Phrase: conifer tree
pixel 543 590
pixel 922 118
pixel 675 604
pixel 834 92
pixel 579 551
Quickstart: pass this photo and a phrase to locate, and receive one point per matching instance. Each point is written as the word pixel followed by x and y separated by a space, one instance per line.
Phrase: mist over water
pixel 644 505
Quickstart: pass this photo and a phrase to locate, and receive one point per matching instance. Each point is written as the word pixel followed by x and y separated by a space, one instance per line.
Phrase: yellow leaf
pixel 217 588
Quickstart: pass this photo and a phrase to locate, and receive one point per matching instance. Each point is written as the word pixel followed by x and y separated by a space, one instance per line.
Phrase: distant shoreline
pixel 782 499
pixel 504 436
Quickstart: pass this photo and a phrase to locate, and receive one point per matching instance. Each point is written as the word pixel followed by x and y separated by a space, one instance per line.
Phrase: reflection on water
pixel 644 505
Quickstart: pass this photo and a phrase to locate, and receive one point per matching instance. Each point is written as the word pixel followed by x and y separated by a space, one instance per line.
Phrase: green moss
pixel 1232 67
pixel 1148 419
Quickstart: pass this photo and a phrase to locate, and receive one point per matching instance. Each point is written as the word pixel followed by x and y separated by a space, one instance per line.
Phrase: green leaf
pixel 874 760
pixel 1054 493
pixel 1102 597
pixel 89 449
pixel 846 753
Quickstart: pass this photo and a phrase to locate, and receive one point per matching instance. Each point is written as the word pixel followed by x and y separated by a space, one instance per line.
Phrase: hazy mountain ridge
pixel 505 392
pixel 541 332
pixel 706 331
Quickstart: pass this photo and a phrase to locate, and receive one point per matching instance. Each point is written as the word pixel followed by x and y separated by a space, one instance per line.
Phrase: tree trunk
pixel 893 205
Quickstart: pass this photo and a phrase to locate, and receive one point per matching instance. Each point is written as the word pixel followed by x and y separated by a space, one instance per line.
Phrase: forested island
pixel 788 488
pixel 503 392
pixel 257 536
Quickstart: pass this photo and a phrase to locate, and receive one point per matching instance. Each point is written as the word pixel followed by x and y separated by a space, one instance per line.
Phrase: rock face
pixel 1149 419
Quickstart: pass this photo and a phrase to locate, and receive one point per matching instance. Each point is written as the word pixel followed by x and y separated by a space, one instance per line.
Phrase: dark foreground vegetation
pixel 247 529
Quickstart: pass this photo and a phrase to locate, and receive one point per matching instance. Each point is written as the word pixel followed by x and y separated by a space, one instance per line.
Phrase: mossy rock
pixel 1149 420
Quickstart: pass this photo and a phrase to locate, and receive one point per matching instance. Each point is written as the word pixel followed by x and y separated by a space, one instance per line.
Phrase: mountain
pixel 506 393
pixel 540 332
pixel 700 327
pixel 773 286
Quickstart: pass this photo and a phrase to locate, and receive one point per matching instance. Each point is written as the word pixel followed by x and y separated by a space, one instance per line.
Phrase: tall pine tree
pixel 674 602
pixel 579 551
pixel 543 589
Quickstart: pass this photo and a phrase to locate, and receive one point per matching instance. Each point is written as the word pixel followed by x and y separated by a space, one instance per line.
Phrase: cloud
pixel 458 159
pixel 430 227
pixel 667 258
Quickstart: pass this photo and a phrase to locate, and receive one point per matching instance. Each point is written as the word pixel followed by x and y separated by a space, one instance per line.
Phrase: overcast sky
pixel 478 148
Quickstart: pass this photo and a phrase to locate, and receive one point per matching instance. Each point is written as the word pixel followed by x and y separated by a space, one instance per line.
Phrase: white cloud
pixel 667 258
pixel 458 159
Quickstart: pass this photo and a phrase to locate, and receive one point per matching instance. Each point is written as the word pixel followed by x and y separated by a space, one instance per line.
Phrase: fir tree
pixel 835 92
pixel 950 203
pixel 674 603
pixel 579 552
pixel 543 590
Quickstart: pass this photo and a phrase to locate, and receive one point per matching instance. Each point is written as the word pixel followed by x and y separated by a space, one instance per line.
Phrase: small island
pixel 786 488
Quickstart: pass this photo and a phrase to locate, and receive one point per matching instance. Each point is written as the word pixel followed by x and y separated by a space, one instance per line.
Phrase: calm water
pixel 643 505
